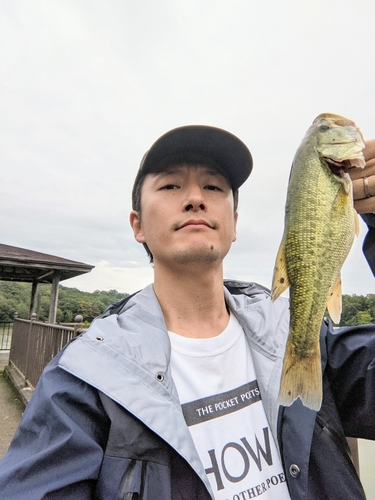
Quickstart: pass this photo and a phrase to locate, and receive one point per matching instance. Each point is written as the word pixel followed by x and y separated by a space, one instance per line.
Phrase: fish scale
pixel 320 224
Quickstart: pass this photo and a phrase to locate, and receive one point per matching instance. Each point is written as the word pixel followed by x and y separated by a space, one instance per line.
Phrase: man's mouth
pixel 195 222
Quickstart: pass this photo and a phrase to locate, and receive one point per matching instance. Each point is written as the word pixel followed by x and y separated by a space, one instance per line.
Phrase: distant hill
pixel 15 298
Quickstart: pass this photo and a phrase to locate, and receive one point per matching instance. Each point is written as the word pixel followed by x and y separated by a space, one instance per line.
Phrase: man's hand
pixel 364 181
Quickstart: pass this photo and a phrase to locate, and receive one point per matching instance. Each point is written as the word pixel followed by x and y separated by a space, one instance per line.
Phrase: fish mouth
pixel 338 168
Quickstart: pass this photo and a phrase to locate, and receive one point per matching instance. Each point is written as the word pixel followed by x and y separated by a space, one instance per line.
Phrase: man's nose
pixel 194 199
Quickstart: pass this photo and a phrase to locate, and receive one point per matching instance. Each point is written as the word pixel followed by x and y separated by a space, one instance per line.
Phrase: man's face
pixel 187 215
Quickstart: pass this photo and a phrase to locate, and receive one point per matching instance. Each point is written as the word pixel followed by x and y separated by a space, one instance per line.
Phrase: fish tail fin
pixel 301 378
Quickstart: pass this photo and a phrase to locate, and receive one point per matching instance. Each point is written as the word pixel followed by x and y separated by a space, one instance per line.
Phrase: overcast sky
pixel 87 86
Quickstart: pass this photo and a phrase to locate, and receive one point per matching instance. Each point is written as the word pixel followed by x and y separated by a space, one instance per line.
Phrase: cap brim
pixel 228 151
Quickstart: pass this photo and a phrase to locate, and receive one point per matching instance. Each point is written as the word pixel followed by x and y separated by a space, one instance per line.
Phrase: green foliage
pixel 15 298
pixel 357 310
pixel 364 317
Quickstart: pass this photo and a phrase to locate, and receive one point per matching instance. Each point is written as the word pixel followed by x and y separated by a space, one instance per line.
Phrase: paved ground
pixel 367 466
pixel 11 408
pixel 4 357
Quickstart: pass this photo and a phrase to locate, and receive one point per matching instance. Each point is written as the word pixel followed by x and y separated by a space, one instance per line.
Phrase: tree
pixel 15 297
pixel 363 318
pixel 357 310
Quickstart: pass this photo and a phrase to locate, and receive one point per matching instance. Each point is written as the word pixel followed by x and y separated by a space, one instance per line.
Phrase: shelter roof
pixel 20 264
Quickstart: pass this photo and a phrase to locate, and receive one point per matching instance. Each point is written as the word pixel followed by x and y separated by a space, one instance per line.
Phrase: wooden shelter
pixel 20 264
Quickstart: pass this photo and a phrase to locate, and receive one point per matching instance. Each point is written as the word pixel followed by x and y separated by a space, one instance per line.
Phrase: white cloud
pixel 88 86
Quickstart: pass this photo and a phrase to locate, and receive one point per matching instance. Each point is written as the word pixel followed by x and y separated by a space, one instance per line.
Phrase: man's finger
pixel 369 169
pixel 365 206
pixel 369 150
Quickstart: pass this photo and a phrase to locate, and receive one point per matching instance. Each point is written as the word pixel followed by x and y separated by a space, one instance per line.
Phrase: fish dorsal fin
pixel 357 224
pixel 334 302
pixel 280 280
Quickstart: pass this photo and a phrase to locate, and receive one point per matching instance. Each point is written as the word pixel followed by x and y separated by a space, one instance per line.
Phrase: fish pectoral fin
pixel 334 302
pixel 301 378
pixel 356 222
pixel 280 280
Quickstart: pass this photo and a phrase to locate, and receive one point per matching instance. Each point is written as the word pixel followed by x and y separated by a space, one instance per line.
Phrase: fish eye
pixel 324 128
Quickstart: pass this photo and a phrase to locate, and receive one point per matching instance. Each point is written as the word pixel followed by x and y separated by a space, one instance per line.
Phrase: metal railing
pixel 6 329
pixel 34 344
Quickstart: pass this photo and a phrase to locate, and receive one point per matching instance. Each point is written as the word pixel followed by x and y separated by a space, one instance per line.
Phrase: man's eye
pixel 213 188
pixel 170 186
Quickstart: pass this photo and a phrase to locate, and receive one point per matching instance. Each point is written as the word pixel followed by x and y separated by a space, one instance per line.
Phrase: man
pixel 172 393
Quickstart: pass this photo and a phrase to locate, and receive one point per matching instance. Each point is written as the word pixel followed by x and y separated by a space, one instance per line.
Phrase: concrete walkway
pixel 11 408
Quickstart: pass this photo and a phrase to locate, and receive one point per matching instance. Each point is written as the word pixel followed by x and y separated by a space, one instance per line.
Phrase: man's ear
pixel 135 222
pixel 235 227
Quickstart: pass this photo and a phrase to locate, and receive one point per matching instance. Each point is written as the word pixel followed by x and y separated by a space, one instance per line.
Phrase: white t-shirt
pixel 223 409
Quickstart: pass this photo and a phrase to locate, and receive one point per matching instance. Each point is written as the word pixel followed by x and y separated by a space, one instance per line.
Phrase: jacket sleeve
pixel 351 370
pixel 369 241
pixel 57 450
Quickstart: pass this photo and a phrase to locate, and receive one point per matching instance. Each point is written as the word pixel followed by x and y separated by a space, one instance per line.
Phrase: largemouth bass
pixel 320 224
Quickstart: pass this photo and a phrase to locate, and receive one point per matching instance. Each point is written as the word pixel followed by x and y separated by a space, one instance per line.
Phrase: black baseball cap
pixel 225 149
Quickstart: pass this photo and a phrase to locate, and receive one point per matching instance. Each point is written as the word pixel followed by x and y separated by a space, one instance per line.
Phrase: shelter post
pixel 54 297
pixel 33 294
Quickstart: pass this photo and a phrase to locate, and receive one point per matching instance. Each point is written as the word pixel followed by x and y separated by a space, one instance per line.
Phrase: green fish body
pixel 320 224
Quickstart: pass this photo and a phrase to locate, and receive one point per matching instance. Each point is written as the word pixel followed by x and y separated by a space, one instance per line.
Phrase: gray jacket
pixel 112 406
